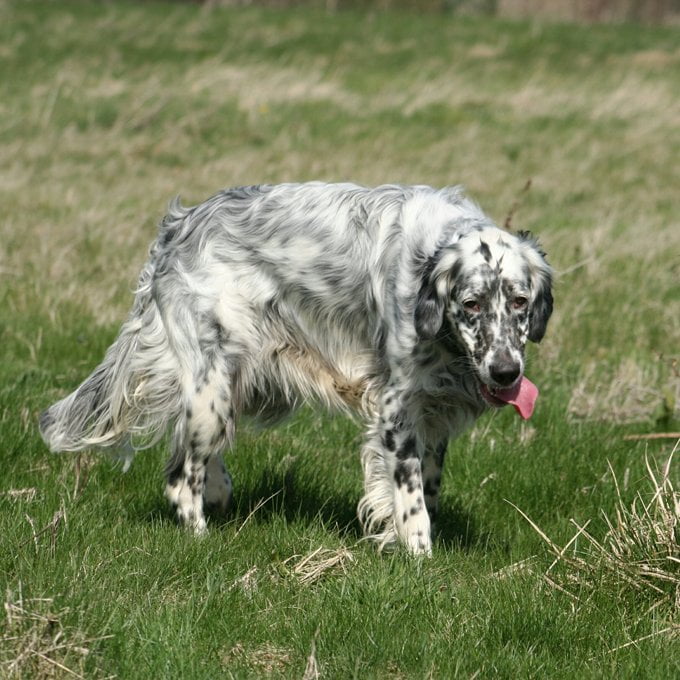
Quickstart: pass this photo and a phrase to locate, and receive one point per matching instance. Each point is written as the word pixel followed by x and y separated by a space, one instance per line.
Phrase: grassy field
pixel 109 110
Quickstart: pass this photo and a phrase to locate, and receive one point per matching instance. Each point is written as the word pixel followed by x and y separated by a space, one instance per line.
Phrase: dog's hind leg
pixel 196 476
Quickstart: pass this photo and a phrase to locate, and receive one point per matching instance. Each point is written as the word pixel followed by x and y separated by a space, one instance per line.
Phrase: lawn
pixel 107 111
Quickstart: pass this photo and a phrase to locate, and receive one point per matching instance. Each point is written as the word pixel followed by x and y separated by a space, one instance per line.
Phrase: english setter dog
pixel 404 303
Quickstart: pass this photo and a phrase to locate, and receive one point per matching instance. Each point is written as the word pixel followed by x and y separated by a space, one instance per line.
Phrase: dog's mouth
pixel 522 396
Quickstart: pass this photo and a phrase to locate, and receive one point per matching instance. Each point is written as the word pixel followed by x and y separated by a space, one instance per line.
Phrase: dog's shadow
pixel 289 493
pixel 458 528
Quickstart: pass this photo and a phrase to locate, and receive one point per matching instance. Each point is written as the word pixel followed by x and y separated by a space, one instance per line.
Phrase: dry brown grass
pixel 119 222
pixel 36 644
pixel 590 10
pixel 318 564
pixel 630 394
pixel 312 669
pixel 658 11
pixel 264 661
pixel 640 550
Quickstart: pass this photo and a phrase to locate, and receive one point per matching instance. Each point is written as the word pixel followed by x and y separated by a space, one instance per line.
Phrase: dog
pixel 405 304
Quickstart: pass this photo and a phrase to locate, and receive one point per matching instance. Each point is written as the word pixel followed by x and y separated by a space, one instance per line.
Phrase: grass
pixel 109 110
pixel 640 550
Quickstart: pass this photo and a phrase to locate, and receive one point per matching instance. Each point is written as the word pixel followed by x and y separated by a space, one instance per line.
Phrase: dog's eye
pixel 519 303
pixel 471 306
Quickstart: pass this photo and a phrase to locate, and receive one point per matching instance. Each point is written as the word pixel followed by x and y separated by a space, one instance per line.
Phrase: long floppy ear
pixel 429 311
pixel 541 310
pixel 541 283
pixel 435 284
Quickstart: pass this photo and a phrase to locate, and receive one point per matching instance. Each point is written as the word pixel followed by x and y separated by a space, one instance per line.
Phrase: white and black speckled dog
pixel 405 303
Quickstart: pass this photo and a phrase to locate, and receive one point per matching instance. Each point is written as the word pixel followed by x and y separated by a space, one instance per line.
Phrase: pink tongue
pixel 522 396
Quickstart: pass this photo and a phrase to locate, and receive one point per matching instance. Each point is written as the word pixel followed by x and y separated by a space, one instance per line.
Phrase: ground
pixel 107 112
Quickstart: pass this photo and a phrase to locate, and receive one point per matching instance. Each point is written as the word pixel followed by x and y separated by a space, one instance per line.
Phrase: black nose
pixel 504 372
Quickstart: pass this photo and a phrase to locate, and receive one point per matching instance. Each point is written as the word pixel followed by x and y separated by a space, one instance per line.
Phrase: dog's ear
pixel 436 276
pixel 429 311
pixel 541 283
pixel 541 309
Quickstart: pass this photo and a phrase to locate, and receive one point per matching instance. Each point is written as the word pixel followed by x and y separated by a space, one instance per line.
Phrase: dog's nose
pixel 504 372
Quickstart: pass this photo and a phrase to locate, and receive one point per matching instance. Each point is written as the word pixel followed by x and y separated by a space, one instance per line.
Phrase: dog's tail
pixel 130 397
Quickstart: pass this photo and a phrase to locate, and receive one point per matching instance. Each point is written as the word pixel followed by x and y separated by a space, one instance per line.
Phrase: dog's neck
pixel 447 339
pixel 455 357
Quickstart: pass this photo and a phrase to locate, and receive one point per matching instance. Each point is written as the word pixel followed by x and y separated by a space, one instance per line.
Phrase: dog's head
pixel 488 293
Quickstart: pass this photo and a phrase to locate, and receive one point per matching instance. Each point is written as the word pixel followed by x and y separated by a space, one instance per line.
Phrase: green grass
pixel 109 110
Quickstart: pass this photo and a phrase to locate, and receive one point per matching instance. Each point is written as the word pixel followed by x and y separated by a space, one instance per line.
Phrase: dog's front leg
pixel 410 513
pixel 402 444
pixel 393 507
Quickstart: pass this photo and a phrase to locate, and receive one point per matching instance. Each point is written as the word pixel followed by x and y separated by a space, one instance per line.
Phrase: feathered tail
pixel 131 395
